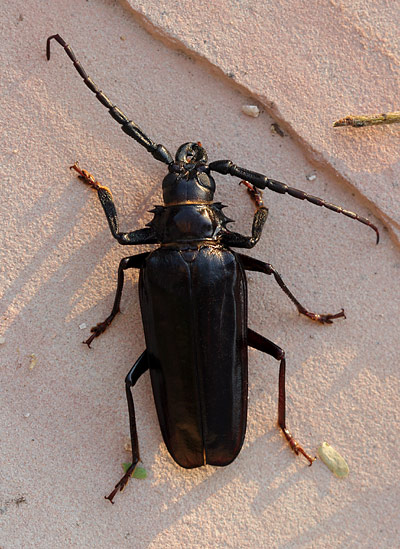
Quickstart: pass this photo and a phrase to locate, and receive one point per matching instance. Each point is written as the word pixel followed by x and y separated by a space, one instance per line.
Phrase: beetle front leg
pixel 138 369
pixel 264 345
pixel 141 236
pixel 133 262
pixel 251 264
pixel 237 240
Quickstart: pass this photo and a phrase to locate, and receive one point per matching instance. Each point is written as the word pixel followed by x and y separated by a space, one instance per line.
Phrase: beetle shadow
pixel 41 255
pixel 323 518
pixel 328 525
pixel 217 480
pixel 54 264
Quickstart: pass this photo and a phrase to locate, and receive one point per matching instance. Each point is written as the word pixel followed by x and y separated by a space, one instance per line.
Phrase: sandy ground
pixel 65 421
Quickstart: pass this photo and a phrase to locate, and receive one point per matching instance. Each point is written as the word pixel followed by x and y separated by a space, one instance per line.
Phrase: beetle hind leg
pixel 264 345
pixel 139 368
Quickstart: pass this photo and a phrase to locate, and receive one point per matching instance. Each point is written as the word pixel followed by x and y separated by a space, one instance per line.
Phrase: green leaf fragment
pixel 333 460
pixel 139 472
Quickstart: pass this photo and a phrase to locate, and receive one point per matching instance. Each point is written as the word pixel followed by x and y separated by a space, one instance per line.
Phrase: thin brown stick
pixel 368 120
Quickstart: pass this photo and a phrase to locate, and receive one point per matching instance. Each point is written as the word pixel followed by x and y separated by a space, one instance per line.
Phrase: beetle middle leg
pixel 132 262
pixel 139 368
pixel 264 345
pixel 251 264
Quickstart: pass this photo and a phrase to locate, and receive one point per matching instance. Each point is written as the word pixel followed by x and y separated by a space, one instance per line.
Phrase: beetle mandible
pixel 193 299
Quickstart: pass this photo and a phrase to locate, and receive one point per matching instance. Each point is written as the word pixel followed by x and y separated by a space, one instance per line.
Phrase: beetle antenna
pixel 159 152
pixel 261 181
pixel 279 187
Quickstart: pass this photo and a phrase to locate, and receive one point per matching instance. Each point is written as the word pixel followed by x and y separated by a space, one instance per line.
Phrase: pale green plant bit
pixel 333 460
pixel 139 472
pixel 368 120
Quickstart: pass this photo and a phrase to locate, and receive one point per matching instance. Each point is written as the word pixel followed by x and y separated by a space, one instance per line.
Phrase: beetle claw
pixel 295 446
pixel 111 496
pixel 88 341
pixel 121 484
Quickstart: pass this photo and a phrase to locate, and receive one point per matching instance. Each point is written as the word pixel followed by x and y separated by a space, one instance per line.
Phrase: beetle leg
pixel 255 194
pixel 139 368
pixel 237 240
pixel 133 262
pixel 251 264
pixel 141 236
pixel 264 345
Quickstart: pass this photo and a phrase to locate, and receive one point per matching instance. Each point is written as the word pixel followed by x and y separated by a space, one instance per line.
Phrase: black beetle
pixel 193 298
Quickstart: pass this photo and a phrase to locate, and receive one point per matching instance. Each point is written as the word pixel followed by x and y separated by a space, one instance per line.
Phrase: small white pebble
pixel 33 361
pixel 251 110
pixel 15 151
pixel 82 326
pixel 311 177
pixel 27 415
pixel 333 460
pixel 2 340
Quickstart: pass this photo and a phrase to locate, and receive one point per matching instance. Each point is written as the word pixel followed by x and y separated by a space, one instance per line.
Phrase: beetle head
pixel 189 179
pixel 191 154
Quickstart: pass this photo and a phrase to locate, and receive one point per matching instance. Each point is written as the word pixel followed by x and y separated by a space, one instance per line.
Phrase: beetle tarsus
pixel 100 328
pixel 111 496
pixel 295 446
pixel 255 194
pixel 323 319
pixel 122 483
pixel 118 488
pixel 87 177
